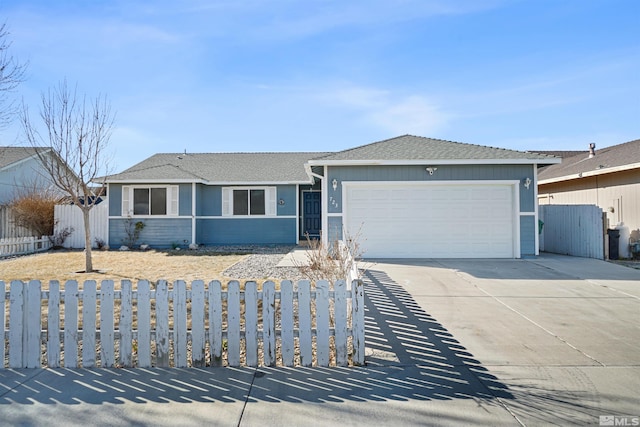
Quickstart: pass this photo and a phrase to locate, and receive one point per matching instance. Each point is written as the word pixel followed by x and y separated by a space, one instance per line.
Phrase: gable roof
pixel 606 160
pixel 408 149
pixel 220 168
pixel 10 156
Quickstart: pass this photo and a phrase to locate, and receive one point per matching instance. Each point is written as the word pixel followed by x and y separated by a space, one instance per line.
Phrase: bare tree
pixel 11 75
pixel 78 132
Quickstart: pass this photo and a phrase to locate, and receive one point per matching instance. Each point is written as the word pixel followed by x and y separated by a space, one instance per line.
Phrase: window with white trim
pixel 150 200
pixel 249 201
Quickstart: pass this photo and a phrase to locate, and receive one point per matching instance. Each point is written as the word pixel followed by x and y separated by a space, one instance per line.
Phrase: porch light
pixel 431 170
pixel 527 183
pixel 334 184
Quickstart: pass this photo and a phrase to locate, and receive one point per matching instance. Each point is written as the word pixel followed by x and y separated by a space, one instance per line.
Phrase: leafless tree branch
pixel 73 150
pixel 12 73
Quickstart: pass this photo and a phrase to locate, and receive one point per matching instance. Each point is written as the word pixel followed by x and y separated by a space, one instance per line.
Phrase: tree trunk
pixel 87 240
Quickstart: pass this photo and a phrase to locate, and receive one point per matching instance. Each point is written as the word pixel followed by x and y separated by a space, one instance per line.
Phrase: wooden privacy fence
pixel 24 245
pixel 200 326
pixel 576 230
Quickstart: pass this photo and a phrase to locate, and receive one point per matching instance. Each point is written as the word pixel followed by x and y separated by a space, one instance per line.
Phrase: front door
pixel 311 214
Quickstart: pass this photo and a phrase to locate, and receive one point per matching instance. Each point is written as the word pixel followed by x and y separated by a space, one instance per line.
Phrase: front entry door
pixel 312 222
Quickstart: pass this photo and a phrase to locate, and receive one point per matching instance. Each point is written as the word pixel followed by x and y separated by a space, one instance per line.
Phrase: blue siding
pixel 335 228
pixel 246 231
pixel 29 172
pixel 209 200
pixel 528 229
pixel 286 193
pixel 158 232
pixel 184 199
pixel 115 199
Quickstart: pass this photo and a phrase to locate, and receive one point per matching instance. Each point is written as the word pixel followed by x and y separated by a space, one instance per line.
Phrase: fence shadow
pixel 410 356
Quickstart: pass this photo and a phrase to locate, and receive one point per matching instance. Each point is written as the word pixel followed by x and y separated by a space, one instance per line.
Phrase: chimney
pixel 592 150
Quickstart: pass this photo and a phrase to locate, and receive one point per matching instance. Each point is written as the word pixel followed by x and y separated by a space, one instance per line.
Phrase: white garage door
pixel 420 220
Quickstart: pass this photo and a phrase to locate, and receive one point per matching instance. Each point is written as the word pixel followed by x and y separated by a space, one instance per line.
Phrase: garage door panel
pixel 432 221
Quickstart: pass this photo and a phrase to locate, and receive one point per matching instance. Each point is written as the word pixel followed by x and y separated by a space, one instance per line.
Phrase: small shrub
pixel 58 238
pixel 330 262
pixel 132 229
pixel 33 208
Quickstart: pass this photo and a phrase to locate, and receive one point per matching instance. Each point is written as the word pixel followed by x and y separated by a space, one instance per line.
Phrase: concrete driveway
pixel 555 340
pixel 550 341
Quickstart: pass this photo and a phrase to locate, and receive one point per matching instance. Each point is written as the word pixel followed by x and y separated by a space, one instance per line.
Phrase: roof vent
pixel 592 150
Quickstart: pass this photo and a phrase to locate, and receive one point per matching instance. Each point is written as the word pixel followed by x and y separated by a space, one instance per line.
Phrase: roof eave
pixel 590 173
pixel 433 162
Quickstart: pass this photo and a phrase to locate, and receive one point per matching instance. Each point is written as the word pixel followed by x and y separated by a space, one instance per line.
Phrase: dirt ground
pixel 151 265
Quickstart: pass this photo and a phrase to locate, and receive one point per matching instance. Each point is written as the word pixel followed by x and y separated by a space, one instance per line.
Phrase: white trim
pixel 109 209
pixel 586 174
pixel 298 213
pixel 254 217
pixel 527 213
pixel 325 207
pixel 448 182
pixel 536 209
pixel 170 190
pixel 516 219
pixel 270 201
pixel 434 162
pixel 204 182
pixel 193 213
pixel 335 214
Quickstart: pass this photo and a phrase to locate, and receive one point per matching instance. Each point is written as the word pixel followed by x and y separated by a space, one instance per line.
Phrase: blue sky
pixel 285 75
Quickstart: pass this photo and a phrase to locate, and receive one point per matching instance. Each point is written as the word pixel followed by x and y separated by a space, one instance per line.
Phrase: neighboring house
pixel 20 170
pixel 608 177
pixel 403 197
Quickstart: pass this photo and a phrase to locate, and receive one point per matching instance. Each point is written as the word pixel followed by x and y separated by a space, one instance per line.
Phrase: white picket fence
pixel 24 245
pixel 196 325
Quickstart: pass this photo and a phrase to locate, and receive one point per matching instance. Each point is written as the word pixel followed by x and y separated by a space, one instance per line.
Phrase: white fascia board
pixel 254 183
pixel 586 174
pixel 154 181
pixel 433 162
pixel 201 181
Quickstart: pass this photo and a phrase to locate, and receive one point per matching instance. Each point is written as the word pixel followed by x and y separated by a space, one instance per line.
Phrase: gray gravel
pixel 262 266
pixel 261 262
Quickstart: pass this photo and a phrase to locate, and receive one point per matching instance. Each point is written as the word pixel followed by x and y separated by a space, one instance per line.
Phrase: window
pixel 249 201
pixel 150 200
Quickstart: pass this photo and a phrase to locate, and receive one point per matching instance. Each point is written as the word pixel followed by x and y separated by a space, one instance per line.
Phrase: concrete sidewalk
pixel 549 341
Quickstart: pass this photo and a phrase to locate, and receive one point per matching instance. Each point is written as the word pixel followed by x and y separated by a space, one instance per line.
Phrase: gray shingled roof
pixel 221 168
pixel 11 155
pixel 605 158
pixel 409 147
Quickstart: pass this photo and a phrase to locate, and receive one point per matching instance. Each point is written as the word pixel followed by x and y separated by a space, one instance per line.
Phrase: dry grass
pixel 114 265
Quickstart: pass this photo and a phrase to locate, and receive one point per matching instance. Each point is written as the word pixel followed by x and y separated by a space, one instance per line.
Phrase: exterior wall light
pixel 431 170
pixel 334 184
pixel 527 183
